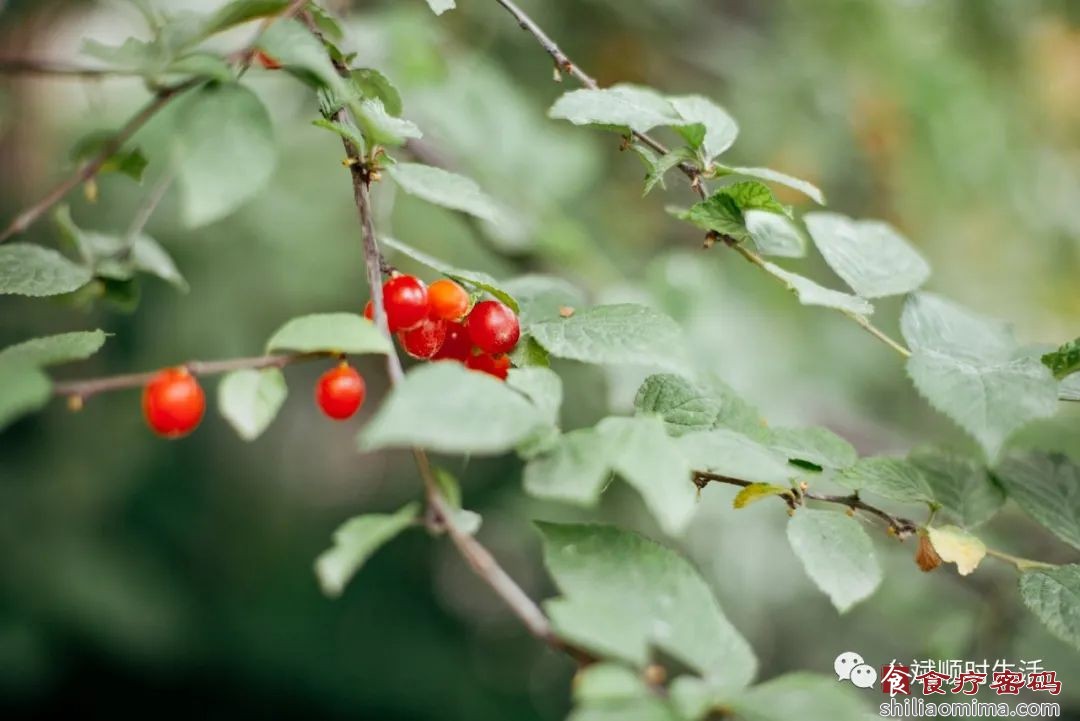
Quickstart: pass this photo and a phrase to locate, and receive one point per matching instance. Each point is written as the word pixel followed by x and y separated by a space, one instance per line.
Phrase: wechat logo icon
pixel 850 666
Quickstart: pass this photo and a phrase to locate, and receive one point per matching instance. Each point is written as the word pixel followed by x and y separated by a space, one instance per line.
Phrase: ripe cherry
pixel 495 365
pixel 340 391
pixel 267 61
pixel 493 327
pixel 425 340
pixel 457 345
pixel 448 300
pixel 405 299
pixel 369 311
pixel 173 402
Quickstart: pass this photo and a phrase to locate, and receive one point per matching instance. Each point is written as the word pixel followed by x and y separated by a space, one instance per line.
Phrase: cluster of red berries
pixel 436 323
pixel 432 323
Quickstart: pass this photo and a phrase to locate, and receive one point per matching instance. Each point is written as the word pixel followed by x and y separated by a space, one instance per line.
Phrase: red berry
pixel 457 345
pixel 449 301
pixel 493 327
pixel 495 365
pixel 267 61
pixel 340 391
pixel 173 403
pixel 369 311
pixel 405 299
pixel 425 340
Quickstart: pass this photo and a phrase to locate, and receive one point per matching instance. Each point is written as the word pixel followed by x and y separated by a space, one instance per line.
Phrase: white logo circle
pixel 864 676
pixel 845 662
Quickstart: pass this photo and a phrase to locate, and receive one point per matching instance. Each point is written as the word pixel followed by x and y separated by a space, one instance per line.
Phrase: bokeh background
pixel 175 579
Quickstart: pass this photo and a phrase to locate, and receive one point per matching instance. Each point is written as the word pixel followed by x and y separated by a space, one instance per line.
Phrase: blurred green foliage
pixel 176 578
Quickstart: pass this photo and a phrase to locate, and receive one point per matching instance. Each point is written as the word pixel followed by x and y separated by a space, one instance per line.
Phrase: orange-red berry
pixel 425 340
pixel 457 345
pixel 340 392
pixel 493 327
pixel 448 300
pixel 405 300
pixel 173 402
pixel 369 311
pixel 495 365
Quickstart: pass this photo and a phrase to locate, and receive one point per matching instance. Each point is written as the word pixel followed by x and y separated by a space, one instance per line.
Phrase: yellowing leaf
pixel 955 545
pixel 755 492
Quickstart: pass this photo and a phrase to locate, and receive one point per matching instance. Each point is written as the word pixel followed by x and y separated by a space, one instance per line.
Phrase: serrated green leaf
pixel 955 545
pixel 624 595
pixel 1053 595
pixel 893 478
pixel 250 399
pixel 720 128
pixel 446 408
pixel 474 279
pixel 130 162
pixel 962 486
pixel 380 127
pixel 775 176
pixel 1047 487
pixel 815 445
pixel 575 470
pixel 870 256
pixel 23 389
pixel 837 555
pixel 724 210
pixel 774 234
pixel 56 349
pixel 804 696
pixel 608 682
pixel 542 297
pixel 970 368
pixel 728 453
pixel 630 106
pixel 354 543
pixel 329 333
pixel 241 11
pixel 614 334
pixel 810 293
pixel 225 151
pixel 35 271
pixel 444 188
pixel 373 84
pixel 659 167
pixel 440 6
pixel 542 386
pixel 685 406
pixel 1065 360
pixel 345 129
pixel 293 46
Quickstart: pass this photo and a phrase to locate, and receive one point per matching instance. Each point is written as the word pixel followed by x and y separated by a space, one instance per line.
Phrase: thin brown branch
pixel 87 387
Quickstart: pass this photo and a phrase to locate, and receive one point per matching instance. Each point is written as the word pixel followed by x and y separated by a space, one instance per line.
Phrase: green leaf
pixel 728 453
pixel 205 65
pixel 1069 389
pixel 630 106
pixel 225 151
pixel 893 478
pixel 962 486
pixel 659 167
pixel 575 470
pixel 380 127
pixel 542 386
pixel 774 234
pixel 373 84
pixel 297 50
pixel 810 293
pixel 624 595
pixel 869 255
pixel 803 696
pixel 133 55
pixel 35 271
pixel 614 334
pixel 329 333
pixel 1047 487
pixel 129 162
pixel 1053 595
pixel 466 521
pixel 250 399
pixel 837 555
pixel 23 389
pixel 720 128
pixel 440 6
pixel 345 129
pixel 241 11
pixel 446 408
pixel 1064 360
pixel 444 188
pixel 971 369
pixel 610 692
pixel 955 545
pixel 542 297
pixel 818 446
pixel 724 210
pixel 775 176
pixel 55 349
pixel 354 543
pixel 685 406
pixel 471 278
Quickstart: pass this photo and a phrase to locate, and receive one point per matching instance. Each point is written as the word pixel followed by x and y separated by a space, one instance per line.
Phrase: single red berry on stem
pixel 493 327
pixel 448 300
pixel 495 365
pixel 173 402
pixel 425 340
pixel 369 311
pixel 457 345
pixel 405 299
pixel 340 392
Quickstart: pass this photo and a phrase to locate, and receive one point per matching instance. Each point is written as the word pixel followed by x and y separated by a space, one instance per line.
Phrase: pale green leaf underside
pixel 440 6
pixel 631 106
pixel 810 293
pixel 1065 360
pixel 894 478
pixel 23 389
pixel 329 333
pixel 813 444
pixel 624 334
pixel 869 255
pixel 837 555
pixel 624 595
pixel 1047 487
pixel 35 271
pixel 960 484
pixel 444 407
pixel 476 279
pixel 1053 595
pixel 444 188
pixel 803 696
pixel 775 234
pixel 295 47
pixel 354 543
pixel 733 454
pixel 542 386
pixel 720 128
pixel 775 176
pixel 55 349
pixel 250 399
